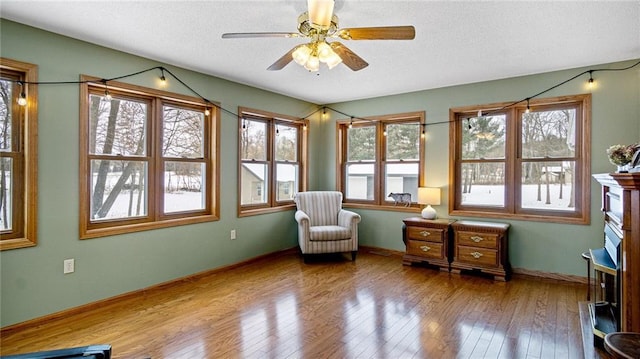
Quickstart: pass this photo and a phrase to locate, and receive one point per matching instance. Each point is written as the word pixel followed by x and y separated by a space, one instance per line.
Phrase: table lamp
pixel 429 196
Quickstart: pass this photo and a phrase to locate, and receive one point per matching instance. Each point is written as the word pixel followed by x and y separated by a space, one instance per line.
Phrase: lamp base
pixel 428 212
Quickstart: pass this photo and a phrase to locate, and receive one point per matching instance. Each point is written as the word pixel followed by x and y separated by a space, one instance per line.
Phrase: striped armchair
pixel 323 226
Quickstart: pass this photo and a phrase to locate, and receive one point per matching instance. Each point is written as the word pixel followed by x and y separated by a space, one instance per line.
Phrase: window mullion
pixel 381 143
pixel 155 173
pixel 271 163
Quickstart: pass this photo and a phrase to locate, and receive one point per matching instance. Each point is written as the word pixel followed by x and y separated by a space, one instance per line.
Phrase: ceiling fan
pixel 319 24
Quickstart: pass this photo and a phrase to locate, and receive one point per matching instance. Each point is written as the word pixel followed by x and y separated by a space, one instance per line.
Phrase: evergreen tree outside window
pixel 380 156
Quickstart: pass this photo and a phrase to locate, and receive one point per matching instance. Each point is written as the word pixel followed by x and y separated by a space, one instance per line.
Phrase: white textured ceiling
pixel 456 42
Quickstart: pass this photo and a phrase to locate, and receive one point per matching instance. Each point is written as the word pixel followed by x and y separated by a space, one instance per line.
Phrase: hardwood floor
pixel 328 308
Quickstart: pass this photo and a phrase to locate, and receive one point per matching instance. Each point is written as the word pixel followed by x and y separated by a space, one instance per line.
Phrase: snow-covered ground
pixel 494 195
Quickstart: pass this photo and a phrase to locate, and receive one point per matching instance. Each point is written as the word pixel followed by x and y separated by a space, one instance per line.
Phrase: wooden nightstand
pixel 427 241
pixel 482 246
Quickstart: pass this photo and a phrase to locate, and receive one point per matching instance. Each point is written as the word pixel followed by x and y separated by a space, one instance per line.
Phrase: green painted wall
pixel 32 283
pixel 536 246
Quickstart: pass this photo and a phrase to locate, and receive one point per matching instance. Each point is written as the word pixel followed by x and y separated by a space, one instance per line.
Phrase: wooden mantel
pixel 630 246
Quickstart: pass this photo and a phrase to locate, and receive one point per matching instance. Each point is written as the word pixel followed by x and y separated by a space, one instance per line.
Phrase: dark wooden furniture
pixel 604 310
pixel 587 257
pixel 482 246
pixel 427 241
pixel 621 207
pixel 623 345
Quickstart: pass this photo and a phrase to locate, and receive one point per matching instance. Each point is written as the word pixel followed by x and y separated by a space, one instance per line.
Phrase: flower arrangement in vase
pixel 621 155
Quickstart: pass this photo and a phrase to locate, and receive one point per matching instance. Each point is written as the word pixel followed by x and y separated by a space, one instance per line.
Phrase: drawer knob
pixel 425 248
pixel 476 255
pixel 477 239
pixel 425 233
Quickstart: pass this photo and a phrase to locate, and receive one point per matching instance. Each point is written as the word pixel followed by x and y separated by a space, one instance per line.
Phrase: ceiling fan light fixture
pixel 333 60
pixel 313 64
pixel 301 54
pixel 324 51
pixel 320 12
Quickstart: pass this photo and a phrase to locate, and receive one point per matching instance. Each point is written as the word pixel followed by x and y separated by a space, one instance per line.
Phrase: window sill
pixel 399 208
pixel 522 217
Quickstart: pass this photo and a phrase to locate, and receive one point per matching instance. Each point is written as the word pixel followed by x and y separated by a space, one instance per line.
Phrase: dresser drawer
pixel 425 234
pixel 480 256
pixel 425 249
pixel 474 239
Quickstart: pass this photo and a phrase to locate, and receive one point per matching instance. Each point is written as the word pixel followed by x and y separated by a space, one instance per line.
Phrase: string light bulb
pixel 424 131
pixel 107 95
pixel 324 113
pixel 244 124
pixel 207 112
pixel 351 123
pixel 528 108
pixel 163 80
pixel 591 82
pixel 22 99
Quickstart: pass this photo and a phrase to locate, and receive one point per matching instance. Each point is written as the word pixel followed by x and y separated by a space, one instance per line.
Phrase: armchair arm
pixel 304 235
pixel 302 218
pixel 348 218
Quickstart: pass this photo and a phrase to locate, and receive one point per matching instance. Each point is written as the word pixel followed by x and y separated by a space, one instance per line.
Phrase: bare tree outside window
pixel 147 158
pixel 526 163
pixel 18 154
pixel 271 169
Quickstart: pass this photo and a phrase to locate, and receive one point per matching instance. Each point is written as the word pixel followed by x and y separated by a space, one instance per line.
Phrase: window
pixel 380 156
pixel 18 154
pixel 272 161
pixel 524 165
pixel 148 159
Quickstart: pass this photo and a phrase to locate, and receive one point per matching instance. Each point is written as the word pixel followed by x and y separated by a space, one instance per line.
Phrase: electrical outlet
pixel 69 266
pixel 233 234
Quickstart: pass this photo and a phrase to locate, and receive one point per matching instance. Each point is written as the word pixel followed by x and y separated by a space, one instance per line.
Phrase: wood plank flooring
pixel 331 307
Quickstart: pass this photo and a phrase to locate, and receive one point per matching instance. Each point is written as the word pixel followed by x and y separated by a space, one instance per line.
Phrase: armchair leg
pixel 353 255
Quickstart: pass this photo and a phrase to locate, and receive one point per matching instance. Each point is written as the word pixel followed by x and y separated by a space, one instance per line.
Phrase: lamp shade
pixel 429 195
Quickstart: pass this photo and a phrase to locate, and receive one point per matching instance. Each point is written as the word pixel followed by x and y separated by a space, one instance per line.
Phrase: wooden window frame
pixel 155 218
pixel 25 153
pixel 272 120
pixel 380 122
pixel 513 161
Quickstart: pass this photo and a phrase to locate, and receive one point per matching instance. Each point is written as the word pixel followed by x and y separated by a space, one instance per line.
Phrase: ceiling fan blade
pixel 349 58
pixel 283 61
pixel 241 35
pixel 378 33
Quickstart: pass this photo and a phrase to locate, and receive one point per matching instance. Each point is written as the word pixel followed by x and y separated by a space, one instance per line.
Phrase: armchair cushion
pixel 329 233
